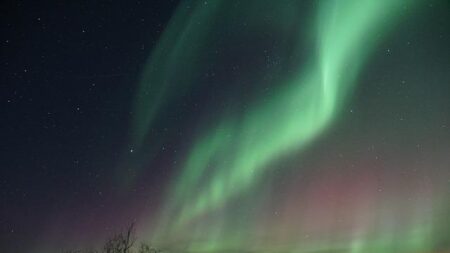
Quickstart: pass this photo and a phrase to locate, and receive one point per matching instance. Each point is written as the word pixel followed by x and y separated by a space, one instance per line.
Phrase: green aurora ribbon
pixel 231 157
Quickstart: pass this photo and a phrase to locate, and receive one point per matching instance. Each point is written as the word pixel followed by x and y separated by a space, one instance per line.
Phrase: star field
pixel 226 126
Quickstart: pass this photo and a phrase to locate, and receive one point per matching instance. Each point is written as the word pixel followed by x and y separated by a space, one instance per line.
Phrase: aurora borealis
pixel 265 126
pixel 230 159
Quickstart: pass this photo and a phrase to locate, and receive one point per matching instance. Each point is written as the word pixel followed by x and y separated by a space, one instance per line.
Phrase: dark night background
pixel 69 74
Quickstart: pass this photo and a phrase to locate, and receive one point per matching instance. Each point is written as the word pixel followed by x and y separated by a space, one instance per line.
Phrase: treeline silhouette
pixel 123 242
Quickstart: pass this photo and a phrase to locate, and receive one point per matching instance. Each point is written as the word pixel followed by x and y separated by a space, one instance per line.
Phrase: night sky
pixel 226 125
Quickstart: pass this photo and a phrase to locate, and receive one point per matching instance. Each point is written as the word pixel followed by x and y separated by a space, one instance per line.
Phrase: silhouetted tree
pixel 122 242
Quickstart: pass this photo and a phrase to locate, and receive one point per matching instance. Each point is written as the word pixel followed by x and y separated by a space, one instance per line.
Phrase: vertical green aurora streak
pixel 239 149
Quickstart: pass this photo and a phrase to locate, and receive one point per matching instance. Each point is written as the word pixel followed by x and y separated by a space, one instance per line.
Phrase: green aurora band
pixel 233 156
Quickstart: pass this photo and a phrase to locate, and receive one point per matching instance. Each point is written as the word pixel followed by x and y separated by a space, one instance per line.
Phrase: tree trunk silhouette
pixel 122 242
